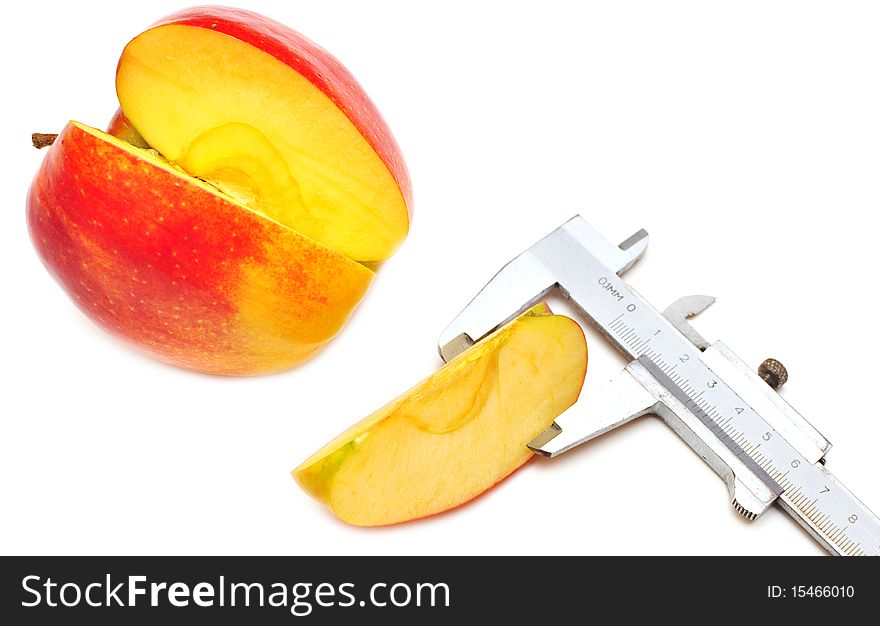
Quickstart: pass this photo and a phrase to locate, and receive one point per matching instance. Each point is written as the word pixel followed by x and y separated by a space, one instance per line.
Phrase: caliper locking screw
pixel 773 372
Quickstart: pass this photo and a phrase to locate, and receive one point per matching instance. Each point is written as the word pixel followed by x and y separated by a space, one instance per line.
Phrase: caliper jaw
pixel 642 389
pixel 550 264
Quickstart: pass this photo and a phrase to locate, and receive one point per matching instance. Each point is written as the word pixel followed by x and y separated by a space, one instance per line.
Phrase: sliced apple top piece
pixel 267 116
pixel 456 433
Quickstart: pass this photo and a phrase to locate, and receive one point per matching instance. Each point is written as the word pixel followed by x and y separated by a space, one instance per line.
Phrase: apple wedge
pixel 456 433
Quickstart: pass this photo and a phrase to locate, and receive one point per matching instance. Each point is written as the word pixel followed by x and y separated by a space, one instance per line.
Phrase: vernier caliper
pixel 731 416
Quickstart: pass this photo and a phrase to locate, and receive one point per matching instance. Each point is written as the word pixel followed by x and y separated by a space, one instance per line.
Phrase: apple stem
pixel 43 140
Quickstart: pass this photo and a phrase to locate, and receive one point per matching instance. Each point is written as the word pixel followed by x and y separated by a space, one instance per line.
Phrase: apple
pixel 233 216
pixel 456 433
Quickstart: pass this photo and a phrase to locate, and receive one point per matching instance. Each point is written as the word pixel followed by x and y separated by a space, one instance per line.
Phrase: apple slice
pixel 456 433
pixel 184 271
pixel 267 116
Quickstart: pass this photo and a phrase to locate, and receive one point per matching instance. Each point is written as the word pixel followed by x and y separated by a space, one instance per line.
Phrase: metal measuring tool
pixel 730 415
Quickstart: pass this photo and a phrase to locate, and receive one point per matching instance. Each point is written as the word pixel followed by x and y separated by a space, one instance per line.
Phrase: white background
pixel 743 136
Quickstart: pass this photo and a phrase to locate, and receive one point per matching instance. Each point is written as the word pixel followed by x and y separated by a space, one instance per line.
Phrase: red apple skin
pixel 314 63
pixel 185 274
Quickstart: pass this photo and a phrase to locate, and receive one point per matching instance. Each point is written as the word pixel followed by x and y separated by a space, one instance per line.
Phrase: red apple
pixel 232 221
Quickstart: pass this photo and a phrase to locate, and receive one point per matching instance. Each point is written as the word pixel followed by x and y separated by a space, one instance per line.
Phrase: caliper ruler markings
pixel 765 451
pixel 693 393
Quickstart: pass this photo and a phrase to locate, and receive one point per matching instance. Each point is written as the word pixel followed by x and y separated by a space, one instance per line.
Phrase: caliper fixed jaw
pixel 527 279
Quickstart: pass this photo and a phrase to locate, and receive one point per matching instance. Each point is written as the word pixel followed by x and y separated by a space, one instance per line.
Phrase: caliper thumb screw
pixel 773 372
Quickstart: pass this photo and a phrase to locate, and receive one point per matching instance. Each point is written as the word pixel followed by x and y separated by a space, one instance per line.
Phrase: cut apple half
pixel 266 116
pixel 458 432
pixel 192 276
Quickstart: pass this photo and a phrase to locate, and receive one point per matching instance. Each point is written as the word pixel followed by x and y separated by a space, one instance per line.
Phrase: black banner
pixel 424 590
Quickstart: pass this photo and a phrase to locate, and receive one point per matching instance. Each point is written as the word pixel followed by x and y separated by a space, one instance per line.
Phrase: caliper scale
pixel 730 415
